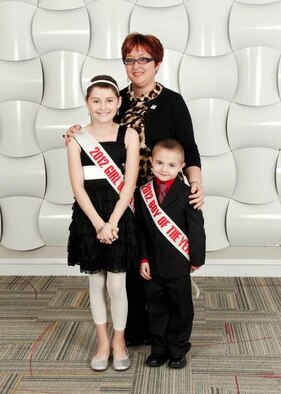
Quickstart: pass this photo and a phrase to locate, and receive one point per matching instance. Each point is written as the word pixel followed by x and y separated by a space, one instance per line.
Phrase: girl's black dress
pixel 84 248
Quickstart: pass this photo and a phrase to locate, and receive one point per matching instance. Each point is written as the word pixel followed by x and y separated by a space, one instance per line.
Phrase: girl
pixel 102 234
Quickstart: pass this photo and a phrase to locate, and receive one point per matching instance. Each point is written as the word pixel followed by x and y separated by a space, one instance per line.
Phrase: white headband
pixel 103 81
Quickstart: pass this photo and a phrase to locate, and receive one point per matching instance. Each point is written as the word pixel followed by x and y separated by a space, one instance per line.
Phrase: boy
pixel 172 243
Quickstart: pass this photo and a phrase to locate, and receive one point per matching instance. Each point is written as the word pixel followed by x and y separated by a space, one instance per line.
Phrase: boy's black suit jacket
pixel 164 259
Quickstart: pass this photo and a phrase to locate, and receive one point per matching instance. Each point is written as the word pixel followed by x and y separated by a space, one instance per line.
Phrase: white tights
pixel 115 283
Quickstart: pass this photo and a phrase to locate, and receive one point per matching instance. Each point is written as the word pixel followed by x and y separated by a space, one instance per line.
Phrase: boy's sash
pixel 102 160
pixel 165 224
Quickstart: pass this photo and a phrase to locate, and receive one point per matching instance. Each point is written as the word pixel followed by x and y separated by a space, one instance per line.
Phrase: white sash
pixel 102 160
pixel 166 225
pixel 92 172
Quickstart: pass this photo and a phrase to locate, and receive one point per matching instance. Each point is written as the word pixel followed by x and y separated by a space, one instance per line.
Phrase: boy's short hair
pixel 170 144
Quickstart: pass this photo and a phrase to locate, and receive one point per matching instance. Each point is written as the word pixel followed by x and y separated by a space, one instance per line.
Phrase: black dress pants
pixel 136 331
pixel 170 314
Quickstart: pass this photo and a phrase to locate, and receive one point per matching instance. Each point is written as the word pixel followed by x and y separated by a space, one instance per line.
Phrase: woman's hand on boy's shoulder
pixel 196 198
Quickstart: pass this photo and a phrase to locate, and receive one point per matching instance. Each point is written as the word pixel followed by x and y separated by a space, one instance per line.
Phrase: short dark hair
pixel 102 83
pixel 169 144
pixel 148 42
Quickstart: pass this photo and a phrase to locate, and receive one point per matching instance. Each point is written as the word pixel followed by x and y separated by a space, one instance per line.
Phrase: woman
pixel 155 112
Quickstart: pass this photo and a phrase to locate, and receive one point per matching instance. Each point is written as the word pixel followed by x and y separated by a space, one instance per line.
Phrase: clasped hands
pixel 108 233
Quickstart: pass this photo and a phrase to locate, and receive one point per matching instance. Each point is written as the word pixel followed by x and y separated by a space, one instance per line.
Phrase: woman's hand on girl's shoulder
pixel 70 133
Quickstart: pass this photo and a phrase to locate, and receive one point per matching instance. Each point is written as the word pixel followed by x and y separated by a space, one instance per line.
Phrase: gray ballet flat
pixel 98 364
pixel 121 364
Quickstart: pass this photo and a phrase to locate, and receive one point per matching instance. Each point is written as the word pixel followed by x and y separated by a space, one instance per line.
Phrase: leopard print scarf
pixel 135 118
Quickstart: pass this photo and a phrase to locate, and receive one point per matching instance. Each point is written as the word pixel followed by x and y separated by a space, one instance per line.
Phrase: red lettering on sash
pixel 153 206
pixel 102 161
pixel 147 191
pixel 183 239
pixel 120 186
pixel 112 174
pixel 108 170
pixel 96 153
pixel 173 233
pixel 163 221
pixel 185 246
pixel 100 158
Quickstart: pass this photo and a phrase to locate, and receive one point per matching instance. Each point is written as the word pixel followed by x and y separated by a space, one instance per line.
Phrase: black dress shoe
pixel 156 360
pixel 177 362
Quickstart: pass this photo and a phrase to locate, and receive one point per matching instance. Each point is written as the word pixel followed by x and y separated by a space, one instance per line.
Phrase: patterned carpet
pixel 47 339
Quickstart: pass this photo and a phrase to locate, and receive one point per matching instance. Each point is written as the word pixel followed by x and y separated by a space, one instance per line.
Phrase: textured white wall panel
pixel 278 176
pixel 32 2
pixel 158 3
pixel 214 211
pixel 21 80
pixel 254 126
pixel 110 20
pixel 58 188
pixel 255 175
pixel 256 1
pixel 61 4
pixel 54 220
pixel 17 128
pixel 169 24
pixel 257 76
pixel 259 25
pixel 20 223
pixel 254 224
pixel 219 175
pixel 205 77
pixel 114 67
pixel 279 78
pixel 223 56
pixel 208 21
pixel 168 72
pixel 210 129
pixel 61 31
pixel 62 72
pixel 51 125
pixel 22 176
pixel 15 27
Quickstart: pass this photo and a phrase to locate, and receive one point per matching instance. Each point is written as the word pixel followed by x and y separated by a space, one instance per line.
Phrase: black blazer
pixel 167 117
pixel 164 259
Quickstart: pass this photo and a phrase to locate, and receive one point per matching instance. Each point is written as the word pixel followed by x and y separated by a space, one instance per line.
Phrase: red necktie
pixel 162 191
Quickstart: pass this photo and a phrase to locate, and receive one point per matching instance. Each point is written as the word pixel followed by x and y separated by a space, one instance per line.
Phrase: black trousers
pixel 136 331
pixel 170 314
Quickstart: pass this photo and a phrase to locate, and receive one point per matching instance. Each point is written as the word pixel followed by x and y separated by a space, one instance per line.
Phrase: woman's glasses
pixel 129 61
